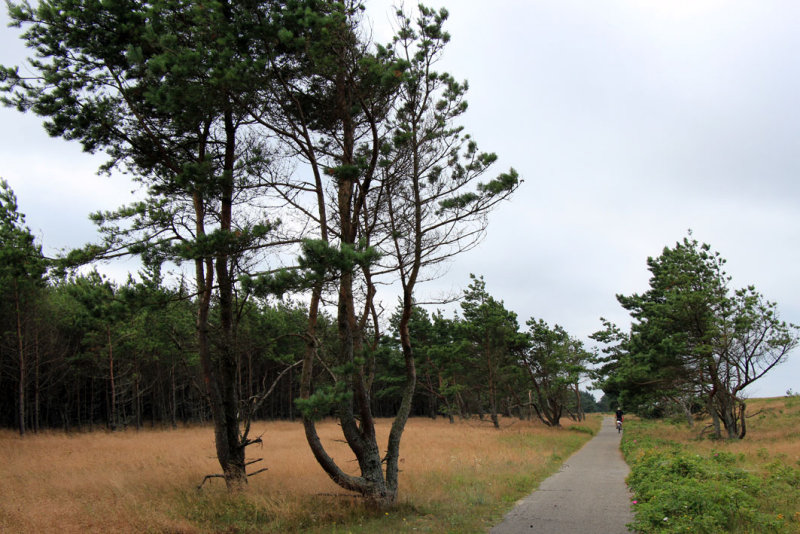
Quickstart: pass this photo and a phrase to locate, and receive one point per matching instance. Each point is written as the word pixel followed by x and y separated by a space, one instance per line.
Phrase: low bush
pixel 680 487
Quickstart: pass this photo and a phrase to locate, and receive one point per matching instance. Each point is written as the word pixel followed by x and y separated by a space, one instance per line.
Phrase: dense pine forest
pixel 83 352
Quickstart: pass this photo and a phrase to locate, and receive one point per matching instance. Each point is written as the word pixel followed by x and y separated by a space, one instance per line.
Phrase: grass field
pixel 455 478
pixel 685 482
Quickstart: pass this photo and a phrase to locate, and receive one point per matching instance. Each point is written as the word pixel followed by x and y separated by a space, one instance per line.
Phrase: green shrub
pixel 677 490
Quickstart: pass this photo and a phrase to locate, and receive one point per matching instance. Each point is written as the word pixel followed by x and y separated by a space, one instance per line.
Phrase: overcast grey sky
pixel 630 121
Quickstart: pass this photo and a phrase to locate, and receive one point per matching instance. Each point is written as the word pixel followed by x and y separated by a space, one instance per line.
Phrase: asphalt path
pixel 587 496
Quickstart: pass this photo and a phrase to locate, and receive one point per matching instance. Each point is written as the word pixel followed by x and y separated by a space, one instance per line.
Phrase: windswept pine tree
pixel 694 340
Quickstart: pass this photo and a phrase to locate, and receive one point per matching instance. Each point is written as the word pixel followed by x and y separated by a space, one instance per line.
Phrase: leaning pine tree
pixel 393 190
pixel 692 335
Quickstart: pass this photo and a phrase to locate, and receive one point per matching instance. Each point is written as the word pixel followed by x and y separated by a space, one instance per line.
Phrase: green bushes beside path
pixel 687 487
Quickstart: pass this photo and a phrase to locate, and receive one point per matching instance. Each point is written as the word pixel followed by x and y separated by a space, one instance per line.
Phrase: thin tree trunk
pixel 686 406
pixel 138 397
pixel 492 392
pixel 78 405
pixel 579 402
pixel 173 398
pixel 21 353
pixel 249 374
pixel 398 426
pixel 462 406
pixel 291 396
pixel 712 409
pixel 36 383
pixel 113 394
pixel 742 420
pixel 91 404
pixel 530 404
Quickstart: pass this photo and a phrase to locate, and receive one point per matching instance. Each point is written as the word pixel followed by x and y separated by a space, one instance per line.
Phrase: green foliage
pixel 693 341
pixel 555 362
pixel 677 490
pixel 465 364
pixel 324 260
pixel 324 401
pixel 431 167
pixel 589 403
pixel 151 85
pixel 22 269
pixel 493 340
pixel 21 260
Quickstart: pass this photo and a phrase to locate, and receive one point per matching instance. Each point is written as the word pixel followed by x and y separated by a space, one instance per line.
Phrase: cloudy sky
pixel 631 121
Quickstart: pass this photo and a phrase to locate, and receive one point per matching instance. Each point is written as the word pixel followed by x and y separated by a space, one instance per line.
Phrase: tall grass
pixel 684 481
pixel 455 478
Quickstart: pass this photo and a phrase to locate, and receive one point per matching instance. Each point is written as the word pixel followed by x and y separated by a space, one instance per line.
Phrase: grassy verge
pixel 686 483
pixel 455 478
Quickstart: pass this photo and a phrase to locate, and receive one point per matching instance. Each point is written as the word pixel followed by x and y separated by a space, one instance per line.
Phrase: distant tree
pixel 589 403
pixel 442 368
pixel 104 313
pixel 607 403
pixel 447 358
pixel 693 338
pixel 158 340
pixel 555 363
pixel 491 331
pixel 22 269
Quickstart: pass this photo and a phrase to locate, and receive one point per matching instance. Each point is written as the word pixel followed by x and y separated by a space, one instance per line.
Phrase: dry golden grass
pixel 144 481
pixel 773 429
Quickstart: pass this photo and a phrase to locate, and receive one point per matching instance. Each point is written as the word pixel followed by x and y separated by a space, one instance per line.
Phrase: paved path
pixel 588 495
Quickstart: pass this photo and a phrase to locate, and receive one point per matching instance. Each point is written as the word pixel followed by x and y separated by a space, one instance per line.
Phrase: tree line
pixel 82 352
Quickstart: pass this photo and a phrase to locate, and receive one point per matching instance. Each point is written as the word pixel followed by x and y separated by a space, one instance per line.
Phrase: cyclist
pixel 619 419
